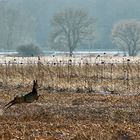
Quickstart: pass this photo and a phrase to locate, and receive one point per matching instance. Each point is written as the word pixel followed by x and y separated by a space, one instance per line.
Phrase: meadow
pixel 82 98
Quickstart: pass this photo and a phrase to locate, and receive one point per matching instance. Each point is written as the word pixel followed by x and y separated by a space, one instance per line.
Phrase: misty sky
pixel 106 13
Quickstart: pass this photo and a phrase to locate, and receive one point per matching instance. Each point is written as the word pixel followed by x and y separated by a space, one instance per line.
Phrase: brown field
pixel 79 101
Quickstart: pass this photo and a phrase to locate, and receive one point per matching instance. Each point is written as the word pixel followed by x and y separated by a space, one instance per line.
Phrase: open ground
pixel 81 98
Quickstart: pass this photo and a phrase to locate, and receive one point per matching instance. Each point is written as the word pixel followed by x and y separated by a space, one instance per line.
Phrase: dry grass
pixel 74 75
pixel 79 101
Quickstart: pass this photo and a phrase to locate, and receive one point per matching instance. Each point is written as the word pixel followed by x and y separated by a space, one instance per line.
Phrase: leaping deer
pixel 28 98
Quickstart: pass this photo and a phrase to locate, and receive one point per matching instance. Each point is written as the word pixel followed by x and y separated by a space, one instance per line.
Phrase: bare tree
pixel 15 26
pixel 71 27
pixel 126 35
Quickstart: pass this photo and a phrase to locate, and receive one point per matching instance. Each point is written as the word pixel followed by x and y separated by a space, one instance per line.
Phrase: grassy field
pixel 79 101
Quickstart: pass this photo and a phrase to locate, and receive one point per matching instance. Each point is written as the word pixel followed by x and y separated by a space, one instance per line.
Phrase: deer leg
pixel 9 104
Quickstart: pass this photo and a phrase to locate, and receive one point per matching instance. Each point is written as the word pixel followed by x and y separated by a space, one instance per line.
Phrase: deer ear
pixel 35 81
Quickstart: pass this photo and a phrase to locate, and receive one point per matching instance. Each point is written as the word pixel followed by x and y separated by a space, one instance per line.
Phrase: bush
pixel 29 50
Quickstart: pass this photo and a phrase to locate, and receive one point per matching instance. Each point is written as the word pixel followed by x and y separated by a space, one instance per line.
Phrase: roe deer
pixel 28 98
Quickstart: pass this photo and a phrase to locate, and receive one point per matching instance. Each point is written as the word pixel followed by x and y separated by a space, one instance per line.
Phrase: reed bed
pixel 75 74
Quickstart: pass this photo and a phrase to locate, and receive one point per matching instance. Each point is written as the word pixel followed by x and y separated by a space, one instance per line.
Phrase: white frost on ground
pixel 64 59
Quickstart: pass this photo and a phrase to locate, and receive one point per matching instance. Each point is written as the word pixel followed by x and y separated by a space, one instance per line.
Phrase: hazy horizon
pixel 106 13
